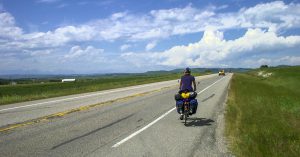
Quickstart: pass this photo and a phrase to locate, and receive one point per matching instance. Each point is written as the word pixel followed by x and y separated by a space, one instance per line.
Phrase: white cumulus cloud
pixel 150 45
pixel 289 60
pixel 155 25
pixel 214 50
pixel 262 43
pixel 78 52
pixel 9 30
pixel 125 47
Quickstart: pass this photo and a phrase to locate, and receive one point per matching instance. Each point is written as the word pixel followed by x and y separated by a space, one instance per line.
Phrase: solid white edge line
pixel 83 96
pixel 211 85
pixel 144 128
pixel 156 120
pixel 54 101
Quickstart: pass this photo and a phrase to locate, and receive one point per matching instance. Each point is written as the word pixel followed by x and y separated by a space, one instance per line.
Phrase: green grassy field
pixel 26 92
pixel 263 113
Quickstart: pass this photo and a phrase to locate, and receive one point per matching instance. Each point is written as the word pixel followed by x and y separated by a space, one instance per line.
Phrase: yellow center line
pixel 82 108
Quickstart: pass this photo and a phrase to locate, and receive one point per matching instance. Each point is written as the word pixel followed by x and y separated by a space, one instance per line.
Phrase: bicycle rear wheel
pixel 185 117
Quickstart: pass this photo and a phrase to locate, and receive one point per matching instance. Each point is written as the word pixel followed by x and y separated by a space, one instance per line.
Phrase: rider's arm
pixel 180 84
pixel 194 82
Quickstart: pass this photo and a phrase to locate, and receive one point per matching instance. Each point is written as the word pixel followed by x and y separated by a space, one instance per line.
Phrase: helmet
pixel 187 70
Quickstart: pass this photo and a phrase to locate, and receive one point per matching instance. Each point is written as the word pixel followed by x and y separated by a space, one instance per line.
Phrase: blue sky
pixel 109 36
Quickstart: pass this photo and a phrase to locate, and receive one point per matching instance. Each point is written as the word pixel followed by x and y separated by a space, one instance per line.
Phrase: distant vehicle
pixel 221 72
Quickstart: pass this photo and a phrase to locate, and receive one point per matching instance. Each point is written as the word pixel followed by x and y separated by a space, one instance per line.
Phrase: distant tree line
pixel 264 66
pixel 4 82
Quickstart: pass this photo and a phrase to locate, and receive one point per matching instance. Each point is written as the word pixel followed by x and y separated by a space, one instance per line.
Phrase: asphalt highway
pixel 134 125
pixel 20 112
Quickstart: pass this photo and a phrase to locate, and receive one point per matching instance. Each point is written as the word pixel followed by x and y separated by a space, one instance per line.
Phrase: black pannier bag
pixel 193 95
pixel 178 97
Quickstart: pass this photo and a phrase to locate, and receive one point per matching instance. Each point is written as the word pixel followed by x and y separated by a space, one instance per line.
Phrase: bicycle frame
pixel 186 109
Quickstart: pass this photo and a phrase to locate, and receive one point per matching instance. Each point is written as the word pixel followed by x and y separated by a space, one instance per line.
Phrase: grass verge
pixel 27 92
pixel 263 113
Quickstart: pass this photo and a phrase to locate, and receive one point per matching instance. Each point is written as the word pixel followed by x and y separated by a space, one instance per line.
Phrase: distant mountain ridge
pixel 44 76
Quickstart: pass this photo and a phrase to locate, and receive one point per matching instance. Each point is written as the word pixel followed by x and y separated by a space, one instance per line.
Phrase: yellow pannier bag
pixel 185 95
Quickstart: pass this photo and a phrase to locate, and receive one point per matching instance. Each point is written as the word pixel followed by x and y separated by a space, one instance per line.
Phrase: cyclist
pixel 186 82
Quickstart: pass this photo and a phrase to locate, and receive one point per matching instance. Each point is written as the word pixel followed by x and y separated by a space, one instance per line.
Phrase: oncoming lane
pixel 93 132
